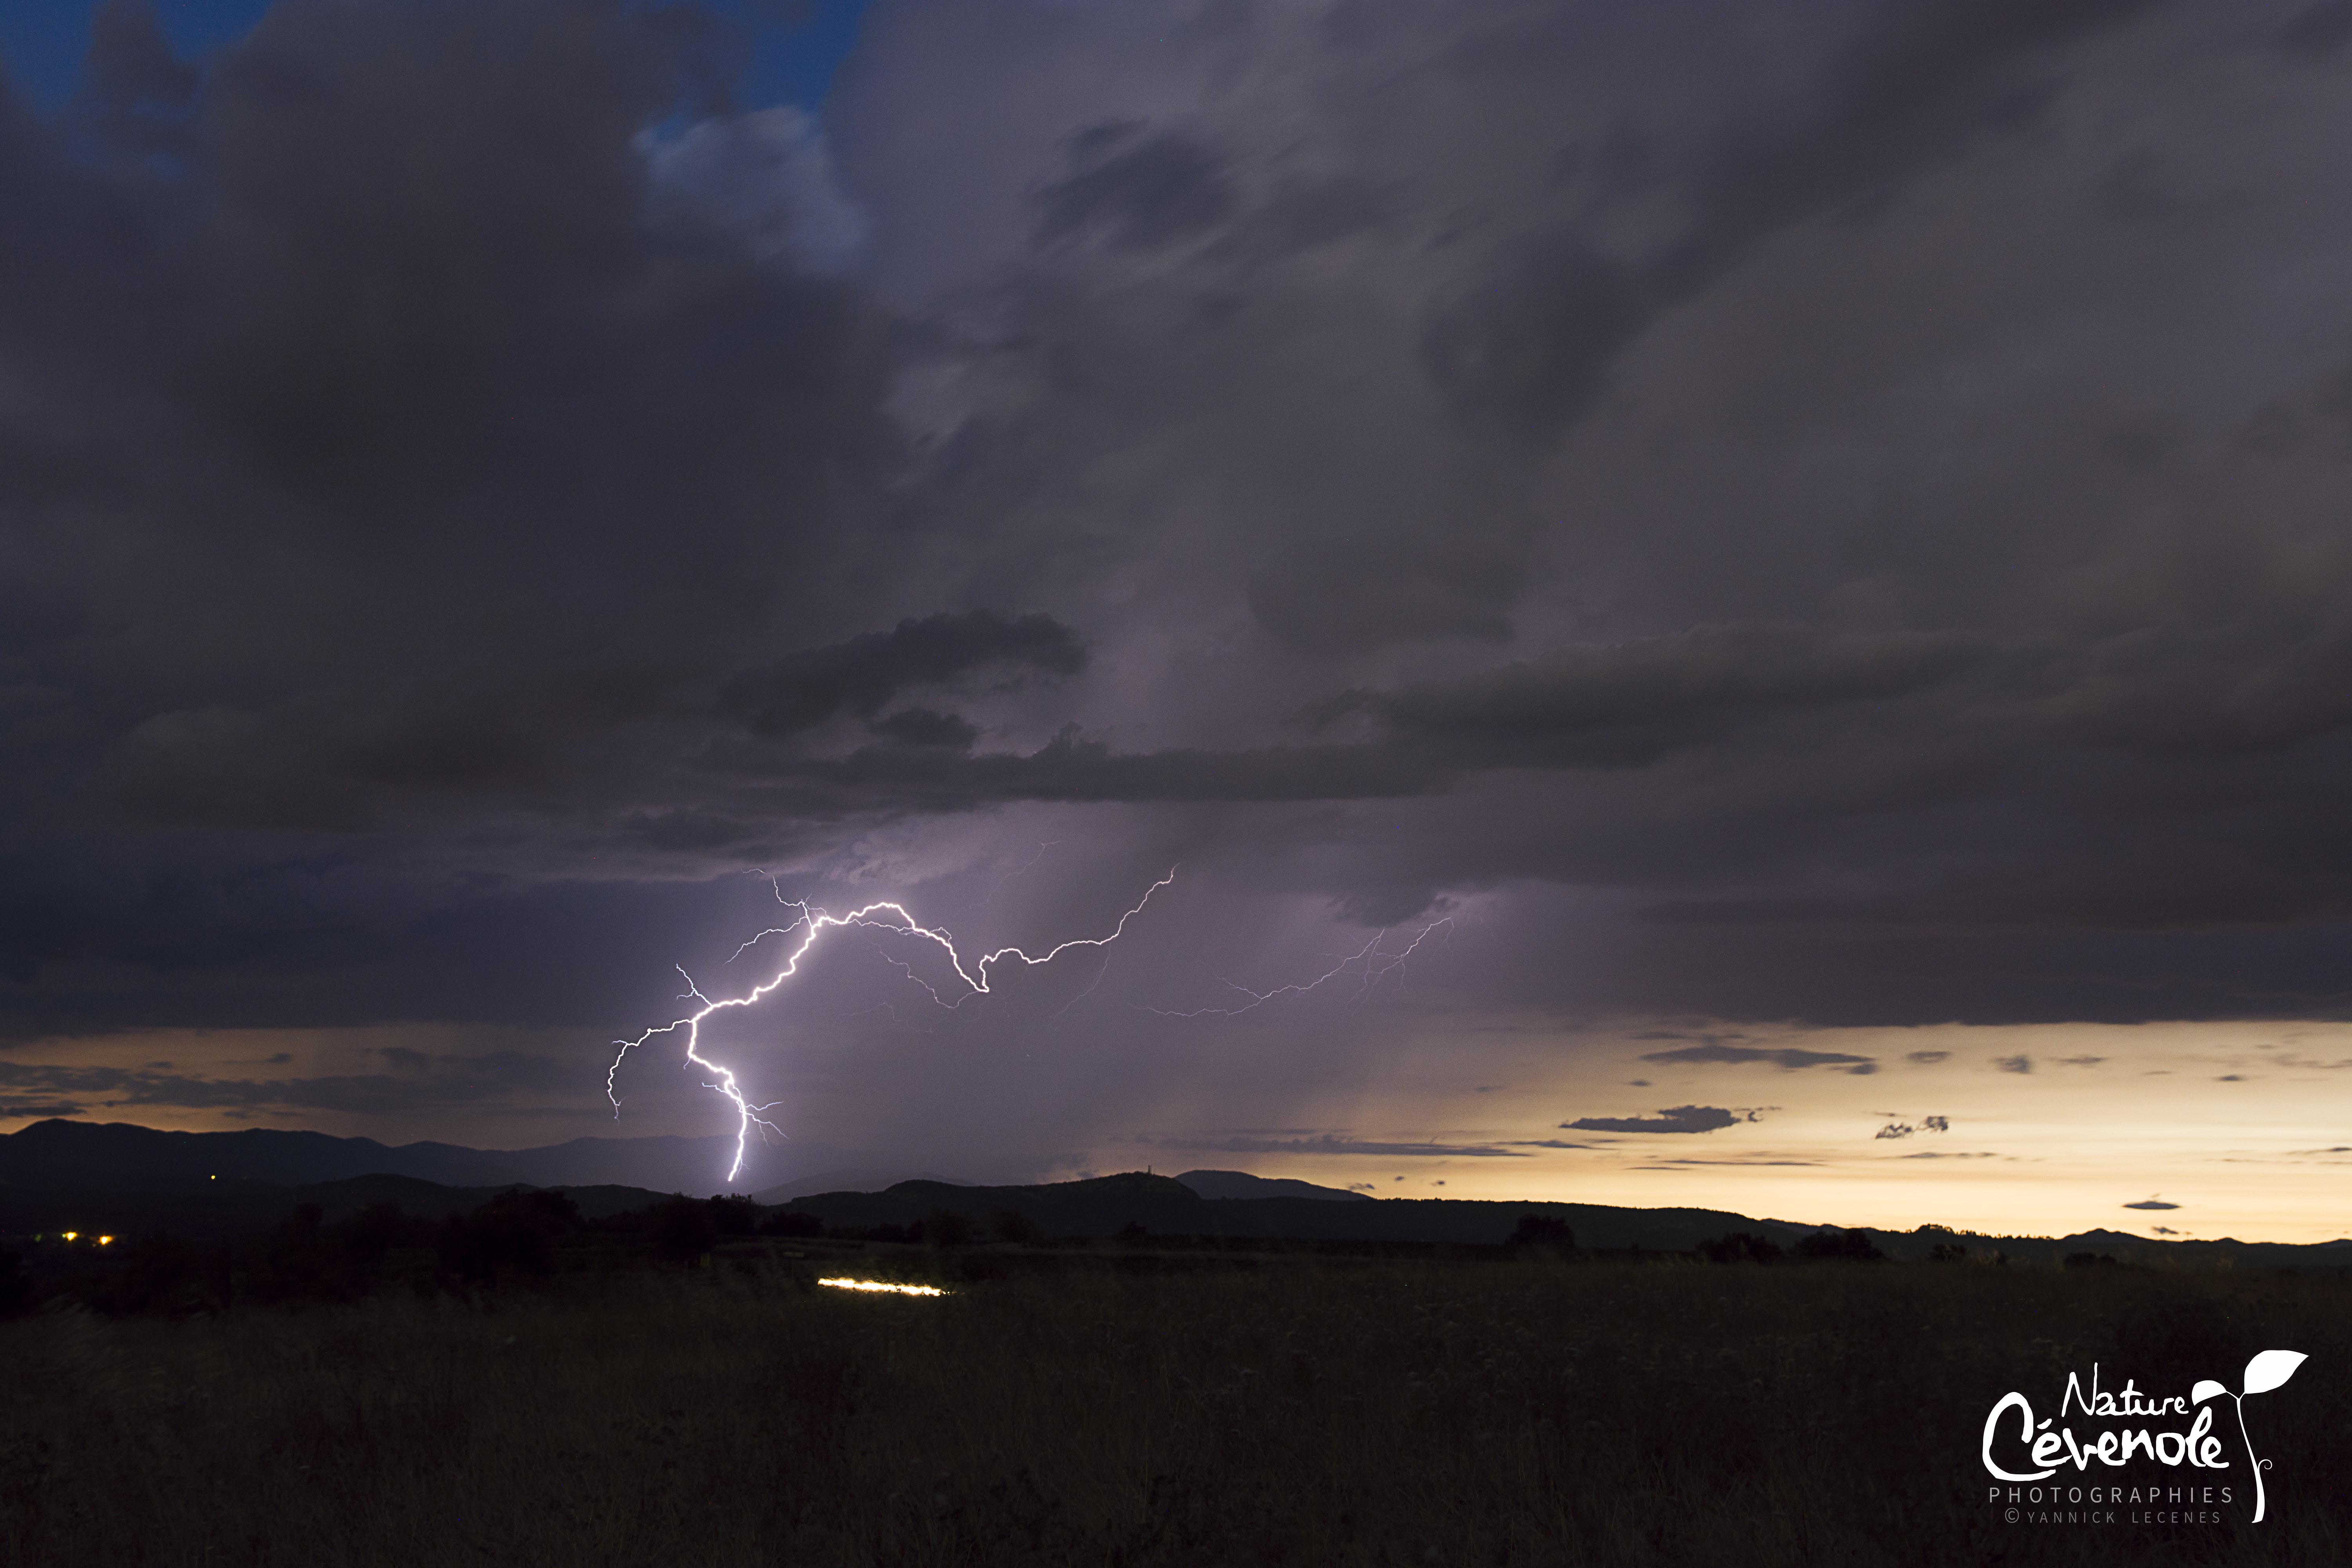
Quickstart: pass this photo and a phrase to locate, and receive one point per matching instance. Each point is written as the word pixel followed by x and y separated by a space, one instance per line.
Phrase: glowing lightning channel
pixel 1377 967
pixel 816 922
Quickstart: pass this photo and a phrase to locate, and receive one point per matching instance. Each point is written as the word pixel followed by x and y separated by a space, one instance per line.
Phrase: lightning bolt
pixel 813 924
pixel 1376 966
pixel 1018 871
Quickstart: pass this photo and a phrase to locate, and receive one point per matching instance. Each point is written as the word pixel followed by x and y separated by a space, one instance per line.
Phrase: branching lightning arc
pixel 1375 967
pixel 813 923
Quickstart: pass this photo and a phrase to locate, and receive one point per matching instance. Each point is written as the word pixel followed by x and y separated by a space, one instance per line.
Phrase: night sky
pixel 1803 552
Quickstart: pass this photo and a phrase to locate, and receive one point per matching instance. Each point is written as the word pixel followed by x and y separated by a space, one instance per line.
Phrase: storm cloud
pixel 1827 514
pixel 861 675
pixel 412 1081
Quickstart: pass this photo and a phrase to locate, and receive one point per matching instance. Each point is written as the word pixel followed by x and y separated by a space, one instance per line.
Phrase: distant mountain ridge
pixel 1166 1205
pixel 131 1177
pixel 1242 1184
pixel 60 1153
pixel 852 1179
pixel 63 1153
pixel 1208 1184
pixel 210 1209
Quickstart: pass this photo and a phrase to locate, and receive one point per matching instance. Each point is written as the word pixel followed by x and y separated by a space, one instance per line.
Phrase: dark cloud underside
pixel 1678 1118
pixel 1826 512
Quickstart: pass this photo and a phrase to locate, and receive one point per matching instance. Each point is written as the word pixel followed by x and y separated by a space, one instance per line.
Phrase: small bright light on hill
pixel 880 1285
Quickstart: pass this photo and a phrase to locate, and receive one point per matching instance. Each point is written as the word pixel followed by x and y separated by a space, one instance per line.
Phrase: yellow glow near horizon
pixel 2182 1130
pixel 878 1285
pixel 2186 1130
pixel 106 1241
pixel 71 1234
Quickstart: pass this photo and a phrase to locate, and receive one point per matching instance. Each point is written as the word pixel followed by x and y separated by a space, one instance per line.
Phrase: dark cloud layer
pixel 1632 704
pixel 1788 1058
pixel 861 676
pixel 1832 513
pixel 1335 1143
pixel 416 1082
pixel 1676 1119
pixel 1533 344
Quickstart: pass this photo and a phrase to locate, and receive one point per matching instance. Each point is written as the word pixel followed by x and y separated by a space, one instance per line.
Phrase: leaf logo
pixel 2264 1373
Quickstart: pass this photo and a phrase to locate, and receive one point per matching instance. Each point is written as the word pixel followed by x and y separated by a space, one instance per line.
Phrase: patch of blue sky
pixel 786 51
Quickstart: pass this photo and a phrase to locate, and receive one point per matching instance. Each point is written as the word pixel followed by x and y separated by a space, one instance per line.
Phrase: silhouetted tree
pixel 1838 1247
pixel 1134 1230
pixel 1739 1246
pixel 552 1211
pixel 947 1227
pixel 734 1215
pixel 1948 1252
pixel 162 1273
pixel 1541 1230
pixel 791 1222
pixel 513 1235
pixel 376 1229
pixel 1011 1225
pixel 16 1284
pixel 2089 1260
pixel 684 1230
pixel 300 1262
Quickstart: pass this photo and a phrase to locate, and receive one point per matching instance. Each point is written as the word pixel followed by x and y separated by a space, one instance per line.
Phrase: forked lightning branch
pixel 813 924
pixel 1369 966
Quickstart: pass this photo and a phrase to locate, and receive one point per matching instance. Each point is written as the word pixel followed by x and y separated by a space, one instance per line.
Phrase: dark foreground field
pixel 1280 1410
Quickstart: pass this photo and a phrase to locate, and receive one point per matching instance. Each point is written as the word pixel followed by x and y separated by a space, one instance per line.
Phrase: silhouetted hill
pixel 124 1180
pixel 1242 1184
pixel 231 1207
pixel 1101 1206
pixel 1169 1205
pixel 855 1179
pixel 87 1155
pixel 1166 1205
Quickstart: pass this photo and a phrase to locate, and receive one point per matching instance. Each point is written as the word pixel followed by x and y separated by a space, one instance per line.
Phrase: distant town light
pixel 73 1235
pixel 106 1241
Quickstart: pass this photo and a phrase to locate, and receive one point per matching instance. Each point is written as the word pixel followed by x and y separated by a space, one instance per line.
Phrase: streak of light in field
pixel 880 1286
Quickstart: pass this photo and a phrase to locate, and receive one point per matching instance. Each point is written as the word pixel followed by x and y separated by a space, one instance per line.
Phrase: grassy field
pixel 1296 1410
